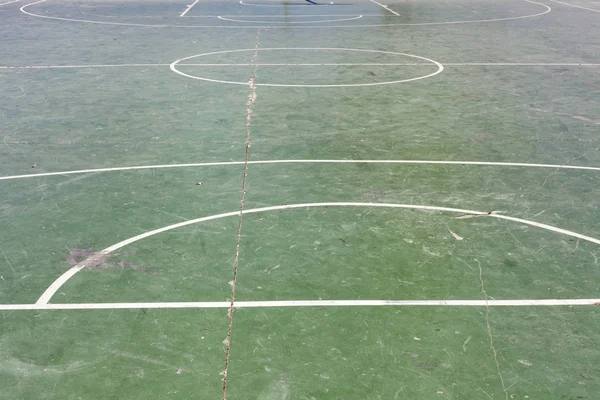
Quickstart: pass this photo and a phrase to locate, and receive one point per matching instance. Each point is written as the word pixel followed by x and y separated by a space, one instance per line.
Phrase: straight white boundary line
pixel 573 5
pixel 189 8
pixel 351 26
pixel 302 303
pixel 80 66
pixel 385 7
pixel 301 64
pixel 507 64
pixel 391 64
pixel 280 16
pixel 229 163
pixel 276 5
pixel 61 280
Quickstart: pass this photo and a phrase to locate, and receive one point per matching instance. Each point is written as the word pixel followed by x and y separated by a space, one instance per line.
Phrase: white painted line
pixel 306 64
pixel 189 8
pixel 285 5
pixel 440 67
pixel 86 20
pixel 392 64
pixel 351 26
pixel 288 22
pixel 282 16
pixel 10 2
pixel 548 9
pixel 573 5
pixel 83 171
pixel 303 303
pixel 55 286
pixel 385 7
pixel 299 64
pixel 525 64
pixel 81 66
pixel 226 163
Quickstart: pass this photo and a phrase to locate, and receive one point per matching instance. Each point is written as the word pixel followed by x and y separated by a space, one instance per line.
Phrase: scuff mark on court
pixel 577 117
pixel 465 216
pixel 87 258
pixel 456 236
pixel 145 359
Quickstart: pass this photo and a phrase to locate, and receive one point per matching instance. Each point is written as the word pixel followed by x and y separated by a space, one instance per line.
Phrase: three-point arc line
pixel 55 286
pixel 573 5
pixel 9 2
pixel 351 26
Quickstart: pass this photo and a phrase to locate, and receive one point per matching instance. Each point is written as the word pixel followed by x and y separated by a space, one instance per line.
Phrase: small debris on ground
pixel 465 216
pixel 87 257
pixel 456 236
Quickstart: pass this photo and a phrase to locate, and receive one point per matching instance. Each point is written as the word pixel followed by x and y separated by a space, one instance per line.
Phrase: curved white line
pixel 385 7
pixel 303 303
pixel 548 9
pixel 86 20
pixel 53 288
pixel 174 64
pixel 573 5
pixel 10 2
pixel 226 163
pixel 288 23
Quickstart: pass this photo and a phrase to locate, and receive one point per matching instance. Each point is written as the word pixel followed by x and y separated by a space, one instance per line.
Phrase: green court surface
pixel 280 200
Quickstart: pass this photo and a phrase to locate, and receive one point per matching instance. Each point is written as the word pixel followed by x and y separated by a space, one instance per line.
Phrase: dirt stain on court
pixel 87 258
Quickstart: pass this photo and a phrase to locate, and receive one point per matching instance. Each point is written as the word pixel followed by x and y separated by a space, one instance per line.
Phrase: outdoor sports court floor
pixel 403 199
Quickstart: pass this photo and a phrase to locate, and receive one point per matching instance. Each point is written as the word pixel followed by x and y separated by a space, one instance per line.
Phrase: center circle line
pixel 173 67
